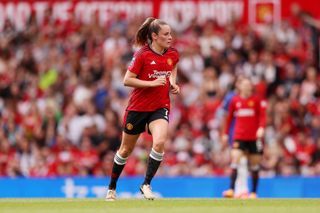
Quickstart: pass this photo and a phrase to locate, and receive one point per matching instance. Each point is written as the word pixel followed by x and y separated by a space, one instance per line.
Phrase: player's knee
pixel 158 145
pixel 125 151
pixel 236 155
pixel 235 159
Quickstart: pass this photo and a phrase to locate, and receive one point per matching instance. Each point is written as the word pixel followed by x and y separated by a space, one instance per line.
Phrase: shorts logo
pixel 169 61
pixel 166 114
pixel 259 145
pixel 129 126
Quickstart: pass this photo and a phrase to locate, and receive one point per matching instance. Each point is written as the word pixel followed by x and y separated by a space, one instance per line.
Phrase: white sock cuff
pixel 255 168
pixel 233 166
pixel 156 155
pixel 119 160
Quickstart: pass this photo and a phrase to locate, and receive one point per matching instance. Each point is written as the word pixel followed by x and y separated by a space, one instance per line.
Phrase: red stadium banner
pixel 19 12
pixel 178 11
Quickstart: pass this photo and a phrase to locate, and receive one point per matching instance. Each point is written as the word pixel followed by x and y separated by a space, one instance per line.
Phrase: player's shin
pixel 255 177
pixel 154 162
pixel 233 176
pixel 118 165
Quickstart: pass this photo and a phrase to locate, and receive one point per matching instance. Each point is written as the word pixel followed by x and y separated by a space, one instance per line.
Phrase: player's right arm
pixel 225 106
pixel 131 80
pixel 134 69
pixel 228 121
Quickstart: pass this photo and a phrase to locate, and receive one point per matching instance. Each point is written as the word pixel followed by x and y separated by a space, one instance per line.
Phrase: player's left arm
pixel 262 118
pixel 175 89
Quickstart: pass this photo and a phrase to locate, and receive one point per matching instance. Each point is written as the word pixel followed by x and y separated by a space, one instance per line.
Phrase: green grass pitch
pixel 159 206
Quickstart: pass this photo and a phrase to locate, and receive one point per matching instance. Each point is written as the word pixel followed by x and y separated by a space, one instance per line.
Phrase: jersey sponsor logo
pixel 158 74
pixel 129 126
pixel 169 61
pixel 245 112
pixel 153 62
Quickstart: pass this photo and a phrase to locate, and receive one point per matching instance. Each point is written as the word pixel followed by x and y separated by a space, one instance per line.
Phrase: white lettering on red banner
pixel 19 13
pixel 174 12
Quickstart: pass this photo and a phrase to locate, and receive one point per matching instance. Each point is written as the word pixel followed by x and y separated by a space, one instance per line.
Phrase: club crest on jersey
pixel 169 61
pixel 250 103
pixel 129 126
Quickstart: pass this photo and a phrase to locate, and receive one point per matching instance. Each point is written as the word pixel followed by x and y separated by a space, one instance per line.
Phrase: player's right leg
pixel 134 125
pixel 236 155
pixel 120 159
pixel 254 165
pixel 241 187
pixel 158 127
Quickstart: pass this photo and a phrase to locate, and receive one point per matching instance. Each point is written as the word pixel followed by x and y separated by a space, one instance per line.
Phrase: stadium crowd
pixel 62 97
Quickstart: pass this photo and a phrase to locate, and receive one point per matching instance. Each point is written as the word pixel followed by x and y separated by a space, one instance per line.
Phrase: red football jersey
pixel 249 114
pixel 149 65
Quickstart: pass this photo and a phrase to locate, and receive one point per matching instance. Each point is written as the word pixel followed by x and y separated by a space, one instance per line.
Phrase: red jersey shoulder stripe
pixel 142 50
pixel 173 49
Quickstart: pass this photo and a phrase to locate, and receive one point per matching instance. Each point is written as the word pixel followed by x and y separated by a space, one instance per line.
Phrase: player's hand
pixel 175 89
pixel 260 133
pixel 160 81
pixel 224 140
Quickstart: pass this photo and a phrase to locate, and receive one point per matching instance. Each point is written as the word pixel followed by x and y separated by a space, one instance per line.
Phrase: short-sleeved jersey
pixel 149 65
pixel 249 114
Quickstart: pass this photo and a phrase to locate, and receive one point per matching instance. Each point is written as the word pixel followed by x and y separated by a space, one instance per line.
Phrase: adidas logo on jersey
pixel 153 62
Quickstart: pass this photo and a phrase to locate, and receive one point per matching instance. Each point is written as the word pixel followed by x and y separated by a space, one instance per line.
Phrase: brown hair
pixel 149 26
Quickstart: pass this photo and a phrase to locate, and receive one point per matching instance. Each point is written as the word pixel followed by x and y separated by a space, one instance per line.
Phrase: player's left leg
pixel 159 131
pixel 254 165
pixel 119 162
pixel 236 154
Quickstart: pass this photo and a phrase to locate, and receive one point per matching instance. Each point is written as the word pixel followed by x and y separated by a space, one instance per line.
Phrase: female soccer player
pixel 250 120
pixel 152 74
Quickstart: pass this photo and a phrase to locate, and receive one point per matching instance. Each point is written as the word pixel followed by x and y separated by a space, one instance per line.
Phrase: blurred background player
pixel 152 73
pixel 241 185
pixel 249 112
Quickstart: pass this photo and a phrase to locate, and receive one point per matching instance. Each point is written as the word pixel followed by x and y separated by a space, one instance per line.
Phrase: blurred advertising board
pixel 176 11
pixel 176 187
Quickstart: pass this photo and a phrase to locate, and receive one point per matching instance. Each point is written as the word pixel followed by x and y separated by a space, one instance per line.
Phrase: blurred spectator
pixel 62 98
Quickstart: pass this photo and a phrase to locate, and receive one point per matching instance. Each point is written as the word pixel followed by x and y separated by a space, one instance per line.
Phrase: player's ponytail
pixel 149 26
